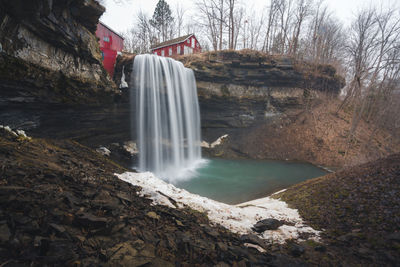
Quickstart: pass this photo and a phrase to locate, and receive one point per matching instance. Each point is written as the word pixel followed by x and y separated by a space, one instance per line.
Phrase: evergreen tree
pixel 162 20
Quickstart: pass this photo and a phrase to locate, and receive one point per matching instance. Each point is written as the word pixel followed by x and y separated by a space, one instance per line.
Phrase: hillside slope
pixel 61 204
pixel 359 210
pixel 317 134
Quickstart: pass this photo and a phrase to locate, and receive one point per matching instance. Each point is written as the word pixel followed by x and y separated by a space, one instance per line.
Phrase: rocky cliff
pixel 52 82
pixel 246 86
pixel 275 107
pixel 49 53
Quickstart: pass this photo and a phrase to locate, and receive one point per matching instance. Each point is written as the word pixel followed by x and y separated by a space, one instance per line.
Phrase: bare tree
pixel 302 11
pixel 284 13
pixel 373 54
pixel 141 36
pixel 272 15
pixel 238 22
pixel 179 15
pixel 212 17
pixel 255 24
pixel 231 23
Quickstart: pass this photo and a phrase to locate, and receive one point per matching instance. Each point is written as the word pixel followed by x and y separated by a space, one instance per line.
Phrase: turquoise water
pixel 237 181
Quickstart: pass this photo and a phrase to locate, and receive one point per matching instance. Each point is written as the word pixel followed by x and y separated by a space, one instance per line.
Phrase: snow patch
pixel 237 218
pixel 104 151
pixel 217 142
pixel 18 133
pixel 205 144
pixel 131 147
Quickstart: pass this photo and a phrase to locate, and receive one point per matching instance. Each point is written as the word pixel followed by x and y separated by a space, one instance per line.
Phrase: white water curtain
pixel 167 116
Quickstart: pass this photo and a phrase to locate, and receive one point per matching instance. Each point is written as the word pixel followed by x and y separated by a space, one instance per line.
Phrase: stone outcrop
pixel 49 52
pixel 52 82
pixel 241 91
pixel 248 74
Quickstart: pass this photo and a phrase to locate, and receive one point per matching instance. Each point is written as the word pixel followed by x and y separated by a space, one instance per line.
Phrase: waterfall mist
pixel 164 100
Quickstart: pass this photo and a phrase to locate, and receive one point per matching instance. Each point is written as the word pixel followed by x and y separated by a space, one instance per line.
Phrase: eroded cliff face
pixel 240 91
pixel 267 105
pixel 49 52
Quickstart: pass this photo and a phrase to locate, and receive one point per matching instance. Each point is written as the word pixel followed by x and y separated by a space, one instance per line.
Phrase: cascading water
pixel 167 116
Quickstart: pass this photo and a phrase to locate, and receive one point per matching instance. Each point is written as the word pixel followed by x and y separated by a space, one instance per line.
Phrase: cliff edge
pixel 49 52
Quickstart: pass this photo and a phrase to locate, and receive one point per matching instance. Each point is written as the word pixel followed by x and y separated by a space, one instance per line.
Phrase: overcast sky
pixel 121 17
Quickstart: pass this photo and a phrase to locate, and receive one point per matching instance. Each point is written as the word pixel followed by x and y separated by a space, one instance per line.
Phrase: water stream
pixel 167 117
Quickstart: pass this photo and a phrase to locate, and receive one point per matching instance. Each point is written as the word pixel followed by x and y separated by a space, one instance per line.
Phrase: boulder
pixel 267 224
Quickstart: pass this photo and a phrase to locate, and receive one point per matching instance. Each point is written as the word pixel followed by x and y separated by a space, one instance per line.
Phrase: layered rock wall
pixel 49 52
pixel 242 89
pixel 243 93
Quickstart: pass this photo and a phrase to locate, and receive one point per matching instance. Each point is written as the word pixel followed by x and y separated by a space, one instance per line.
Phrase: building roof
pixel 102 23
pixel 172 42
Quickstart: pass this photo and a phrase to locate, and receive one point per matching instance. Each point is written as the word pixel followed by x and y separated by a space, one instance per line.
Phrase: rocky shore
pixel 358 209
pixel 62 205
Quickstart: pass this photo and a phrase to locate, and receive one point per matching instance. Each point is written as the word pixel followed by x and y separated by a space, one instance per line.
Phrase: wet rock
pixel 267 224
pixel 127 254
pixel 104 151
pixel 320 248
pixel 5 233
pixel 241 263
pixel 124 196
pixel 91 221
pixel 222 246
pixel 253 239
pixel 222 264
pixel 250 245
pixel 105 200
pixel 296 250
pixel 60 251
pixel 153 215
pixel 284 260
pixel 211 231
pixel 394 236
pixel 179 223
pixel 348 237
pixel 58 228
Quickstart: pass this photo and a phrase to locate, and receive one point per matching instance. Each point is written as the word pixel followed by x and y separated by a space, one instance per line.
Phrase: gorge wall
pixel 49 53
pixel 52 82
pixel 275 107
pixel 246 87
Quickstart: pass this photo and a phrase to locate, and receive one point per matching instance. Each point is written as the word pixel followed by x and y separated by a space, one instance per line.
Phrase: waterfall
pixel 167 116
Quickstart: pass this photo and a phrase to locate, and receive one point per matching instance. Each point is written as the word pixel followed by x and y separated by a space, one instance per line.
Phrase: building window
pixel 106 39
pixel 193 42
pixel 187 50
pixel 178 50
pixel 188 41
pixel 155 53
pixel 170 52
pixel 162 53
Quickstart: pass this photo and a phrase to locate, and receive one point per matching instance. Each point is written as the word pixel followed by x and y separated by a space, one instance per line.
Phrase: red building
pixel 184 45
pixel 110 44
